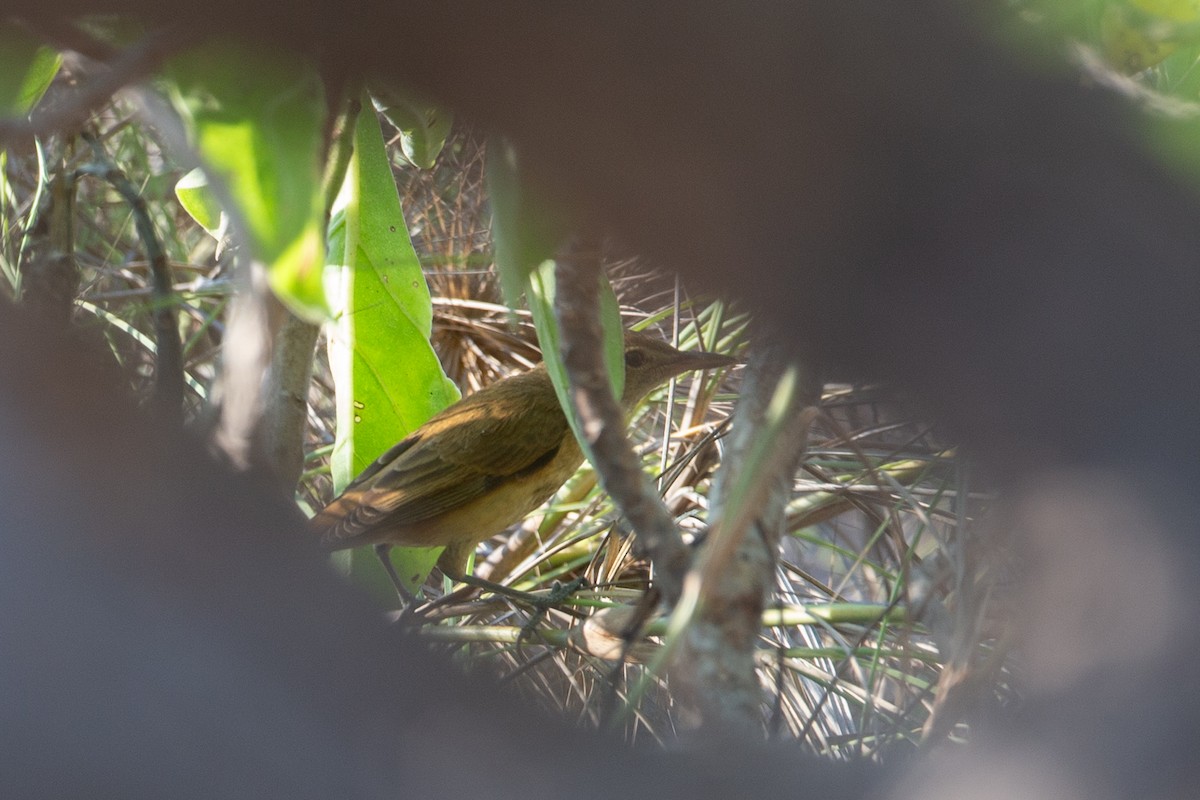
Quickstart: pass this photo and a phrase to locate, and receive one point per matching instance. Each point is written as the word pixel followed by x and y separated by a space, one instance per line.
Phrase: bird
pixel 483 463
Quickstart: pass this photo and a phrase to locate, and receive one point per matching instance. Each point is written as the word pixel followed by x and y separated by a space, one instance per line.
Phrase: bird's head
pixel 650 362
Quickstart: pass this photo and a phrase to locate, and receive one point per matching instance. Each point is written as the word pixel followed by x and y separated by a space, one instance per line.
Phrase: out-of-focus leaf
pixel 388 378
pixel 541 290
pixel 1139 34
pixel 525 232
pixel 423 127
pixel 197 199
pixel 256 121
pixel 26 69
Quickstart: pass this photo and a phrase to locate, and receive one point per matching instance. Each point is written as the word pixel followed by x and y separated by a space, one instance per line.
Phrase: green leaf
pixel 199 202
pixel 525 232
pixel 26 70
pixel 423 127
pixel 256 121
pixel 541 290
pixel 388 378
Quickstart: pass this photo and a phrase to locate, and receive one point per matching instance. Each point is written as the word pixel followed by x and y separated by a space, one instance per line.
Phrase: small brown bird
pixel 483 463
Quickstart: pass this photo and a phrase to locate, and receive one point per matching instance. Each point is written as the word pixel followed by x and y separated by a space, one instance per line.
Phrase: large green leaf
pixel 256 121
pixel 387 376
pixel 26 69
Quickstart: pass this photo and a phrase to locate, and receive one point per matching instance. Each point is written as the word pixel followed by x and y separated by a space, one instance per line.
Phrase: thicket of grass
pixel 883 628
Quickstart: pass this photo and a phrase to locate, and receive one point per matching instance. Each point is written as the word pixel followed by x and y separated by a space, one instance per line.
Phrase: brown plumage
pixel 483 463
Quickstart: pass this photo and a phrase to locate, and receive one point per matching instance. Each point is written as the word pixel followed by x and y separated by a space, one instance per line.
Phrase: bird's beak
pixel 699 359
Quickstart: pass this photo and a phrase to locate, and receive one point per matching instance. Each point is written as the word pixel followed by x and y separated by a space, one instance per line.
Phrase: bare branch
pixel 577 306
pixel 715 668
pixel 280 432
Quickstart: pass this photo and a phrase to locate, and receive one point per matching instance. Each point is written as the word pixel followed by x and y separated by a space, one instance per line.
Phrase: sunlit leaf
pixel 197 199
pixel 256 121
pixel 388 378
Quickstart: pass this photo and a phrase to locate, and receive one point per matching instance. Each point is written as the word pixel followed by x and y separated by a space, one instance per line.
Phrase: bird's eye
pixel 634 358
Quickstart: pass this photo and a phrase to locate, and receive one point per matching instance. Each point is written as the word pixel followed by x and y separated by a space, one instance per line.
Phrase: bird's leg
pixel 453 564
pixel 557 593
pixel 383 552
pixel 540 603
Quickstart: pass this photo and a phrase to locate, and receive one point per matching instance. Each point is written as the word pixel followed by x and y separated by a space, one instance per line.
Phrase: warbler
pixel 483 463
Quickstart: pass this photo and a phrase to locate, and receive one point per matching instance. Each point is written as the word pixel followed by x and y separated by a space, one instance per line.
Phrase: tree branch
pixel 577 306
pixel 714 669
pixel 280 430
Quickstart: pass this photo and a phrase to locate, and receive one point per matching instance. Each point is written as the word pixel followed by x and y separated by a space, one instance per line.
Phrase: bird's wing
pixel 456 457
